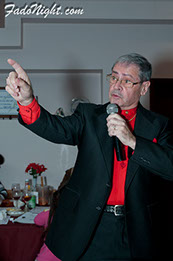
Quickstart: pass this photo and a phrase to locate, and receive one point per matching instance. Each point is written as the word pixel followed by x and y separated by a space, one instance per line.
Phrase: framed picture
pixel 2 13
pixel 8 106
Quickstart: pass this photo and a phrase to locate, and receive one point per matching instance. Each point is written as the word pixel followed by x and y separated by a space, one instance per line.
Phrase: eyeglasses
pixel 123 82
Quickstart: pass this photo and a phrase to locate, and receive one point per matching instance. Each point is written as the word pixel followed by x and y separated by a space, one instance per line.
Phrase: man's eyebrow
pixel 124 74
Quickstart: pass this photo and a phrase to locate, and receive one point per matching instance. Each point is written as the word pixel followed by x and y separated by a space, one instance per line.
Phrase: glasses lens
pixel 111 79
pixel 126 83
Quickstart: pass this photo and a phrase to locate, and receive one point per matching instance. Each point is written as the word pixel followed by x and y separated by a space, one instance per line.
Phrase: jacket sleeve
pixel 156 157
pixel 61 130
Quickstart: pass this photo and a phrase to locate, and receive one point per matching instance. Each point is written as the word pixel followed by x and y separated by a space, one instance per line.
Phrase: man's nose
pixel 117 85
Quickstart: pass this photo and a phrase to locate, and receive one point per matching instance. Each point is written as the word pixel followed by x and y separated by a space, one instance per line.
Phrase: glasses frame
pixel 108 77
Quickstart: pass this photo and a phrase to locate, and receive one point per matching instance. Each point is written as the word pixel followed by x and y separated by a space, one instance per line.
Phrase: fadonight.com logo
pixel 39 9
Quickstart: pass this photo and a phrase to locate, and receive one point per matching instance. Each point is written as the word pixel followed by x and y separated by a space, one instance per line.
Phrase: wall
pixel 68 56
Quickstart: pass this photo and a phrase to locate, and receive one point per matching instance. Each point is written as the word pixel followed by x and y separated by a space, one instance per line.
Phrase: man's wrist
pixel 133 143
pixel 27 102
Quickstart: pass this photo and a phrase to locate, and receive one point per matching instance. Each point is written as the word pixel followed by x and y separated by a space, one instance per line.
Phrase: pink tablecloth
pixel 20 242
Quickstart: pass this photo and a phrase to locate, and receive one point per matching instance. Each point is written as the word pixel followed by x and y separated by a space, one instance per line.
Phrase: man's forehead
pixel 127 66
pixel 126 69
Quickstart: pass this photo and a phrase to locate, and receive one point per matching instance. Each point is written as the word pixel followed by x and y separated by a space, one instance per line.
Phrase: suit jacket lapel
pixel 142 128
pixel 105 141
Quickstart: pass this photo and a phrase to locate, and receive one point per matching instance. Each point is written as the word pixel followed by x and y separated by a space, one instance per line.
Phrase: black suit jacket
pixel 83 199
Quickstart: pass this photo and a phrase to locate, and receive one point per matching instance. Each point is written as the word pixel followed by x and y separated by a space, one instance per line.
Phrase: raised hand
pixel 19 85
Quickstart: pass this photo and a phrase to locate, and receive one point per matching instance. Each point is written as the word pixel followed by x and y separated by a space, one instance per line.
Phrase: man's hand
pixel 19 85
pixel 118 127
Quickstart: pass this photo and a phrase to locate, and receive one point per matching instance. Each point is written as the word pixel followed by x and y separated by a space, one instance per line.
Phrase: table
pixel 20 242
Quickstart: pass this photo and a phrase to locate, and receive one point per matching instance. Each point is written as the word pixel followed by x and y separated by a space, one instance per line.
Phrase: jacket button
pixel 108 185
pixel 98 208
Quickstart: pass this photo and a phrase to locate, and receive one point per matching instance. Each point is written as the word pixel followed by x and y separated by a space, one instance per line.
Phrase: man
pixel 110 209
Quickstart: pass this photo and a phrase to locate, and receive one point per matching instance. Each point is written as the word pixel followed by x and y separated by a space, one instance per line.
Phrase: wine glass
pixel 26 197
pixel 16 194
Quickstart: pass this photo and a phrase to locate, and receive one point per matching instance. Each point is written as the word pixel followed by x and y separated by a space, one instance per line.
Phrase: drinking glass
pixel 16 194
pixel 26 197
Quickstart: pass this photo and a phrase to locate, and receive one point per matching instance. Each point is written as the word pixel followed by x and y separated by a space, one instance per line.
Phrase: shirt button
pixel 98 208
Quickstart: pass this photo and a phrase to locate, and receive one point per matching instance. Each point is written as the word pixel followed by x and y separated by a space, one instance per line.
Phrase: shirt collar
pixel 128 114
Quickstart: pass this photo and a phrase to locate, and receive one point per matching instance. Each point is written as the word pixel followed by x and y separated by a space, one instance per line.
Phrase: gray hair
pixel 145 68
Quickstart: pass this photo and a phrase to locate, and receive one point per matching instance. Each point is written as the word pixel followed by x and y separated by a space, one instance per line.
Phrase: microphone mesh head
pixel 112 108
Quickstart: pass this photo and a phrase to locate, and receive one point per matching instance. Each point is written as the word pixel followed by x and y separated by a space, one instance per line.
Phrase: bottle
pixel 32 202
pixel 27 185
pixel 27 190
pixel 34 193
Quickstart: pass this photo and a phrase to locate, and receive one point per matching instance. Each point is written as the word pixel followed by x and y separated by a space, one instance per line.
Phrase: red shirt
pixel 117 194
pixel 31 113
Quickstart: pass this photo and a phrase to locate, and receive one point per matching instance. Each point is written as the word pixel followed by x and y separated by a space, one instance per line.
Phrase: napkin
pixel 3 217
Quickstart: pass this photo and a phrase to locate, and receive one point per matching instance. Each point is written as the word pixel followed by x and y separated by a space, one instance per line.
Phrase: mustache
pixel 116 93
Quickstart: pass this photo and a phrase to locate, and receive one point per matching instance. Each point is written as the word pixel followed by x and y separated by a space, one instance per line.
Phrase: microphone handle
pixel 118 149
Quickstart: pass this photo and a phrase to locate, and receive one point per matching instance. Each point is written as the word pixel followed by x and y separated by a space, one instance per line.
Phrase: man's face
pixel 127 98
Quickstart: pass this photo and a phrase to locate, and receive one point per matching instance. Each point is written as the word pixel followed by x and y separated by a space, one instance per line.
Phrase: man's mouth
pixel 115 95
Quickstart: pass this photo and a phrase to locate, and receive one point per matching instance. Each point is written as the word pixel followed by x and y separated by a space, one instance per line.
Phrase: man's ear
pixel 145 86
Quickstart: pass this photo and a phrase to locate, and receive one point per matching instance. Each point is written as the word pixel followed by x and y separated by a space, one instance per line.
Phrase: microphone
pixel 111 109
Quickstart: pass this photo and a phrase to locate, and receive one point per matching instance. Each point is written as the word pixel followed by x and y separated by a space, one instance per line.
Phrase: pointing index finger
pixel 16 67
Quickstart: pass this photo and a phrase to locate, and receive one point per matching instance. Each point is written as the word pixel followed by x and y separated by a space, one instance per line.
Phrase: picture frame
pixel 2 13
pixel 8 106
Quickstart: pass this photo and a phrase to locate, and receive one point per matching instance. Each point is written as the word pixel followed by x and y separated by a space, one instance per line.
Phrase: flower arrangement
pixel 35 169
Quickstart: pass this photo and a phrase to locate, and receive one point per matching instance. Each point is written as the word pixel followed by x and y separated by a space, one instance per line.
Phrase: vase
pixel 34 180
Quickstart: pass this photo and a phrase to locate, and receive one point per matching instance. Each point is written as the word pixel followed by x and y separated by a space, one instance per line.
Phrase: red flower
pixel 35 169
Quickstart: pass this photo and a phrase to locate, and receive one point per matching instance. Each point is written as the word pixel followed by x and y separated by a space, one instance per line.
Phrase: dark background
pixel 161 97
pixel 161 101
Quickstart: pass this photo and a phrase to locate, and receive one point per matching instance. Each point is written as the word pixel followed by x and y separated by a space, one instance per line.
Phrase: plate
pixel 14 212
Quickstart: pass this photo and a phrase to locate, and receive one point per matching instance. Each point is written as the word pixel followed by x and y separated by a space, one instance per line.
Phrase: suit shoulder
pixel 153 115
pixel 91 106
